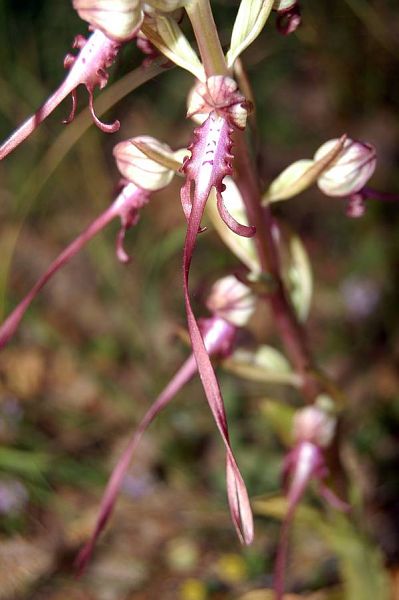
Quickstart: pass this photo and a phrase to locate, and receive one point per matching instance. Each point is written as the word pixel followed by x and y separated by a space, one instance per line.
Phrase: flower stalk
pixel 210 49
pixel 291 331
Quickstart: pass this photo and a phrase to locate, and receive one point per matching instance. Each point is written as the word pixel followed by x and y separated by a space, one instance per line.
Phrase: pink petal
pixel 184 374
pixel 29 126
pixel 10 325
pixel 209 163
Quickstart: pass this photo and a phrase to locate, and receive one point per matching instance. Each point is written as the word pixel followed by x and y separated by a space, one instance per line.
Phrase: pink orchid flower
pixel 88 68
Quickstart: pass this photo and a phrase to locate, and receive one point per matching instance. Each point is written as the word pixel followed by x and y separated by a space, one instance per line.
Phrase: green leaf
pixel 266 364
pixel 26 463
pixel 360 561
pixel 280 415
pixel 296 272
pixel 251 18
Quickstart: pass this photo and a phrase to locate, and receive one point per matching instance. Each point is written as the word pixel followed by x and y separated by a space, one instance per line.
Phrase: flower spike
pixel 87 68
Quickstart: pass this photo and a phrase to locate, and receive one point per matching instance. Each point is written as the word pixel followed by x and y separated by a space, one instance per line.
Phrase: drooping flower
pixel 231 300
pixel 117 19
pixel 88 68
pixel 219 338
pixel 138 167
pixel 347 176
pixel 341 168
pixel 149 175
pixel 126 206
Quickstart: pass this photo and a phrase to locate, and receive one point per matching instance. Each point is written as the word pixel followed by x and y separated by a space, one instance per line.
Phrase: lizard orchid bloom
pixel 126 206
pixel 205 169
pixel 113 23
pixel 219 339
pixel 313 431
pixel 89 68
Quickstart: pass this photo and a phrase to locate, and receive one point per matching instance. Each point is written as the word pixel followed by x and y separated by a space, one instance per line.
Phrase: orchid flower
pixel 219 338
pixel 126 206
pixel 209 163
pixel 113 23
pixel 348 174
pixel 313 430
pixel 141 176
pixel 87 68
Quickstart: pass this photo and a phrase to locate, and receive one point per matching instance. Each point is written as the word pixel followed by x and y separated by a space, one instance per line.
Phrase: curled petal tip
pixel 73 110
pixel 235 226
pixel 121 253
pixel 104 127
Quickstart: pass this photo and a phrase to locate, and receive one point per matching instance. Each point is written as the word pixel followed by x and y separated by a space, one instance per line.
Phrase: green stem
pixel 210 49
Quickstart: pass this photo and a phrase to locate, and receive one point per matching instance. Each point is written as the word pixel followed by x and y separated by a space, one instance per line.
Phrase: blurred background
pixel 103 339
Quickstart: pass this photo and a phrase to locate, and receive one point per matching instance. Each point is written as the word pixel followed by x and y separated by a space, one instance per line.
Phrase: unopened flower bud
pixel 350 171
pixel 219 336
pixel 137 167
pixel 314 425
pixel 231 300
pixel 118 19
pixel 220 94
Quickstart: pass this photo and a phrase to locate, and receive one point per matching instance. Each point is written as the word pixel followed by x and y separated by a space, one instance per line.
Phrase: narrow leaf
pixel 251 18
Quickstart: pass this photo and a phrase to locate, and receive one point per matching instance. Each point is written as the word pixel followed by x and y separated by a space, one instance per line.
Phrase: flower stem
pixel 291 331
pixel 210 49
